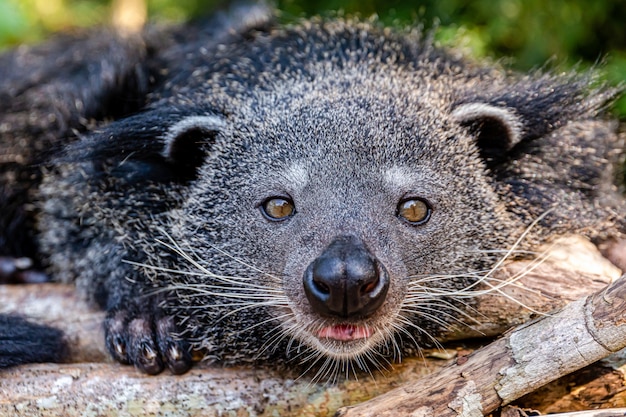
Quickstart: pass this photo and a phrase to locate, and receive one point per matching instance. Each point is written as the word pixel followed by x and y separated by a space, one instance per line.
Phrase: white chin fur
pixel 343 350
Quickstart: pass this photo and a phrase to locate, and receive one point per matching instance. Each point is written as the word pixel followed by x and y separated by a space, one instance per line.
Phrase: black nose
pixel 346 280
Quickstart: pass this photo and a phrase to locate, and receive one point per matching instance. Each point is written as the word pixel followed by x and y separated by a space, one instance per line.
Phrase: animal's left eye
pixel 278 208
pixel 415 211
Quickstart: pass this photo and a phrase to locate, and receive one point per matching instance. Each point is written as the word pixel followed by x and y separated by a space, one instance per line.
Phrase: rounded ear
pixel 187 142
pixel 159 146
pixel 497 129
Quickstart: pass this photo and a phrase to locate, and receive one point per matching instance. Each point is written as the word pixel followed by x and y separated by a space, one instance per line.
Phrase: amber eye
pixel 414 211
pixel 278 208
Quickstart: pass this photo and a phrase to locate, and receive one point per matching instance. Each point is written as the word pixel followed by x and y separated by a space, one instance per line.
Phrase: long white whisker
pixel 254 326
pixel 408 323
pixel 201 288
pixel 517 242
pixel 277 334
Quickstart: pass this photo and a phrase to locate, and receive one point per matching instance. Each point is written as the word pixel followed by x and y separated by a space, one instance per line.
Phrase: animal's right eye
pixel 415 211
pixel 278 208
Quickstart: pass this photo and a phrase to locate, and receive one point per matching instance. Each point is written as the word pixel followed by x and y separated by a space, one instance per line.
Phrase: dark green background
pixel 562 33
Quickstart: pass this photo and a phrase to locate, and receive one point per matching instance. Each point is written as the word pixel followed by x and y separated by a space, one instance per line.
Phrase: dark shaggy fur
pixel 323 192
pixel 25 342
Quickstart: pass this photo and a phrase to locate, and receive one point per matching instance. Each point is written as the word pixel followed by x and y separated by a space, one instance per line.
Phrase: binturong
pixel 329 194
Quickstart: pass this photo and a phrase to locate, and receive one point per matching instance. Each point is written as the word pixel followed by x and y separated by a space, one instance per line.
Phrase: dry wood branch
pixel 583 332
pixel 613 412
pixel 109 389
pixel 99 389
pixel 573 268
pixel 601 385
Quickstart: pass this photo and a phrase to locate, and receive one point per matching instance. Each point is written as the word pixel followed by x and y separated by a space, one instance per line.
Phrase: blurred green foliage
pixel 531 32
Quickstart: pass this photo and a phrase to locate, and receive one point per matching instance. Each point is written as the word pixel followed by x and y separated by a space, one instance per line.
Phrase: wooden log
pixel 110 389
pixel 601 385
pixel 571 268
pixel 613 412
pixel 539 352
pixel 101 389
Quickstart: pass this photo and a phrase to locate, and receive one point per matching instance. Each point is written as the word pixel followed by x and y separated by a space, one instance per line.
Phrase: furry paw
pixel 146 341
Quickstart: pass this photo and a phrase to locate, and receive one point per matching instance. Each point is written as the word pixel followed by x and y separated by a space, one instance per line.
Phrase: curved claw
pixel 146 341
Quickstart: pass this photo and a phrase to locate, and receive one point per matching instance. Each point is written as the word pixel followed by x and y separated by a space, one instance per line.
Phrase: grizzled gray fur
pixel 324 193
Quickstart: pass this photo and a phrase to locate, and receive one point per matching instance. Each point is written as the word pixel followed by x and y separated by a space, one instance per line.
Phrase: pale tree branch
pixel 580 333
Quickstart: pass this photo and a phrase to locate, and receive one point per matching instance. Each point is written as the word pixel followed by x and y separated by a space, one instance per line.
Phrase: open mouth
pixel 345 332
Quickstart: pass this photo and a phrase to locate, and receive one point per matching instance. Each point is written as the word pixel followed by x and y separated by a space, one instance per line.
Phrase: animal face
pixel 332 192
pixel 348 225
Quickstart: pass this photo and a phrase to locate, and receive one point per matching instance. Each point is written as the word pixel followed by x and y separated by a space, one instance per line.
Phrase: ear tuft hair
pixel 497 129
pixel 187 142
pixel 188 132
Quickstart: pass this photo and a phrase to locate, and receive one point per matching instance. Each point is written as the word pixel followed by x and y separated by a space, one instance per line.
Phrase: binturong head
pixel 339 194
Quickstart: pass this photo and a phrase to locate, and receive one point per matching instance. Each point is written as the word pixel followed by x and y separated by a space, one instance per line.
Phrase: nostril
pixel 321 286
pixel 371 292
pixel 370 286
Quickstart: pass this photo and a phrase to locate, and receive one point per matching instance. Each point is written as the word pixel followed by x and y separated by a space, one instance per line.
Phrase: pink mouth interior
pixel 344 332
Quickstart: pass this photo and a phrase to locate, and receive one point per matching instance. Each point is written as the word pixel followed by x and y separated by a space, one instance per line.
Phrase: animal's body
pixel 326 190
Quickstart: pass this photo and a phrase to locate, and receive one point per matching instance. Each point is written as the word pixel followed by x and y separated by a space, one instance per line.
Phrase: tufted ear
pixel 497 129
pixel 157 146
pixel 187 142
